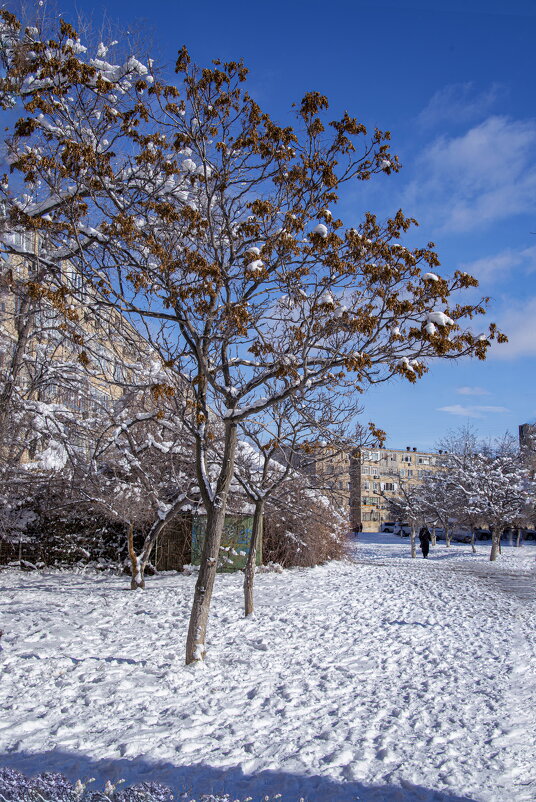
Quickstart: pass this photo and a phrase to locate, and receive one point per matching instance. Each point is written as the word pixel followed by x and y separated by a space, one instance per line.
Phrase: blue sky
pixel 454 83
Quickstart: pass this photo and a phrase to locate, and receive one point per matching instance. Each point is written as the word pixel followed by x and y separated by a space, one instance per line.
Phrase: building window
pixel 372 456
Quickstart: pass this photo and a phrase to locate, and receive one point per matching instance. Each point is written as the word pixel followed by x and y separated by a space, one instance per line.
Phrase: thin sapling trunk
pixel 495 543
pixel 137 580
pixel 249 573
pixel 412 541
pixel 215 508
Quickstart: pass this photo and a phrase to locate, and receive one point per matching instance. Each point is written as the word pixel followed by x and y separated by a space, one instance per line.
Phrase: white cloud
pixel 458 103
pixel 471 411
pixel 518 322
pixel 501 265
pixel 470 181
pixel 472 391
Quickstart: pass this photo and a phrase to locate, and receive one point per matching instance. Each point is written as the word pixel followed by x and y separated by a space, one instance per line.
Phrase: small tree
pixel 286 436
pixel 140 471
pixel 460 448
pixel 497 485
pixel 408 506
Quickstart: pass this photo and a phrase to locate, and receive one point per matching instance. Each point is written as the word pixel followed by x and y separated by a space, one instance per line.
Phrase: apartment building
pixel 331 473
pixel 103 350
pixel 328 470
pixel 527 443
pixel 376 475
pixel 360 483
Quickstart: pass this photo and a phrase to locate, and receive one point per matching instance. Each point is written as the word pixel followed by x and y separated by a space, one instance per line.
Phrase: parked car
pixel 461 537
pixel 388 526
pixel 403 530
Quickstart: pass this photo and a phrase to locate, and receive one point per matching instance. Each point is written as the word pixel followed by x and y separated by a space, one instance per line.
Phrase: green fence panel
pixel 234 542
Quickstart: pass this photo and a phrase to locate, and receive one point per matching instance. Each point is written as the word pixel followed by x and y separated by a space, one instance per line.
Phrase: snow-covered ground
pixel 379 678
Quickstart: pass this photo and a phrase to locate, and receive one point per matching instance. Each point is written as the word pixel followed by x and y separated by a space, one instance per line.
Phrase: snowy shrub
pixel 64 540
pixel 52 787
pixel 142 792
pixel 227 798
pixel 270 568
pixel 302 529
pixel 47 787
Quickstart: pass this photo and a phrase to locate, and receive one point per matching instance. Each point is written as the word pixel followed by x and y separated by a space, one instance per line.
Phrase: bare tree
pixel 408 506
pixel 140 470
pixel 287 435
pixel 498 482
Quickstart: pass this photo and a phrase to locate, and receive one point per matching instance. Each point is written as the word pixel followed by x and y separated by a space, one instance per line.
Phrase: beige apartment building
pixel 359 484
pixel 72 357
pixel 527 443
pixel 376 475
pixel 332 477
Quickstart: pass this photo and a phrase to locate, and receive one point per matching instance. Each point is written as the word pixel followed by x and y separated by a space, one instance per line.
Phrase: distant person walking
pixel 425 539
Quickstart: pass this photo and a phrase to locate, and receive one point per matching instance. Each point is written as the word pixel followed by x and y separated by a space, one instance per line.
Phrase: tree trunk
pixel 249 573
pixel 139 563
pixel 412 541
pixel 215 508
pixel 24 323
pixel 519 539
pixel 473 539
pixel 447 536
pixel 434 539
pixel 137 579
pixel 495 543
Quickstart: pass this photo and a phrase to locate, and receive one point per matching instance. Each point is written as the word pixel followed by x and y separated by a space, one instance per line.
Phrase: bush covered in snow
pixel 45 529
pixel 53 787
pixel 301 528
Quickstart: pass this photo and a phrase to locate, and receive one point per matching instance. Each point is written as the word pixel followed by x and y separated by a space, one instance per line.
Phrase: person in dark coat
pixel 425 538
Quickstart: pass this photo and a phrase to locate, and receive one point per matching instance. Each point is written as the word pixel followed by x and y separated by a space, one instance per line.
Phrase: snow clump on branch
pixel 439 318
pixel 321 230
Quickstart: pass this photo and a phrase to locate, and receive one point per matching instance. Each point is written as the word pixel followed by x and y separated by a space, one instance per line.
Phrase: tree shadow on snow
pixel 199 779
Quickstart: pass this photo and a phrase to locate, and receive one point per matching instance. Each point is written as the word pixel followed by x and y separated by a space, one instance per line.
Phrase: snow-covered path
pixel 379 678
